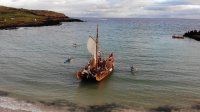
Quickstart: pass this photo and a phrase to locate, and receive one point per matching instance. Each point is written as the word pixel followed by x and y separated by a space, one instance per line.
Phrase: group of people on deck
pixel 92 70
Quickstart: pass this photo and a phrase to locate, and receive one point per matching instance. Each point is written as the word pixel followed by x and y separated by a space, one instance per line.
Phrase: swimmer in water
pixel 133 69
pixel 68 60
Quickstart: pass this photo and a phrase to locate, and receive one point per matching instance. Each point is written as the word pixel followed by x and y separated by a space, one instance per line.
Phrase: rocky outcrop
pixel 12 18
pixel 194 34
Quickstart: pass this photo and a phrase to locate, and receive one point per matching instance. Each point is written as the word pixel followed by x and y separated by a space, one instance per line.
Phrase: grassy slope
pixel 14 17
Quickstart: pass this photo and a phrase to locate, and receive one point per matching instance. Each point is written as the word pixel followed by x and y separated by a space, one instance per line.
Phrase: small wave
pixel 9 104
pixel 14 105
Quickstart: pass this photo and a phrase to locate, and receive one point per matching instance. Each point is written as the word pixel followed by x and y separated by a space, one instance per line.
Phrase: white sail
pixel 91 46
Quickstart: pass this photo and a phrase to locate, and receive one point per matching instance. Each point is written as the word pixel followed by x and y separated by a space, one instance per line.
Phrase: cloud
pixel 114 8
pixel 171 2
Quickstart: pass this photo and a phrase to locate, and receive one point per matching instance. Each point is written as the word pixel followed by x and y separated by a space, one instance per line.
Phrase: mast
pixel 97 37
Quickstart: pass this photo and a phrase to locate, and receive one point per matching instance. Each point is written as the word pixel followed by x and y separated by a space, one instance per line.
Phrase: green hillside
pixel 12 17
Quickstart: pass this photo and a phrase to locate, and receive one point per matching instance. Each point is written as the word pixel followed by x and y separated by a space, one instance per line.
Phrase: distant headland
pixel 11 18
pixel 194 34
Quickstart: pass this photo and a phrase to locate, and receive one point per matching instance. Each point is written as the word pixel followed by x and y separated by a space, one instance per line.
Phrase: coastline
pixel 13 104
pixel 12 18
pixel 45 23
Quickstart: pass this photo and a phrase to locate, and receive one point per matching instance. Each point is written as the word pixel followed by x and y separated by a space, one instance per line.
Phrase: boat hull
pixel 98 74
pixel 178 36
pixel 104 74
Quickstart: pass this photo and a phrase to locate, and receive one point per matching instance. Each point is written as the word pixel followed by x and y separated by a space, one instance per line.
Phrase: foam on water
pixel 10 103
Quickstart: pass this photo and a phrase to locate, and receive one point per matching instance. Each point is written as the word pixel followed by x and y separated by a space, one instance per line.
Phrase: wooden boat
pixel 97 68
pixel 178 36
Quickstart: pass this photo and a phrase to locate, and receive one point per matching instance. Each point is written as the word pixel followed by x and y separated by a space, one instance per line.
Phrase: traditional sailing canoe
pixel 97 68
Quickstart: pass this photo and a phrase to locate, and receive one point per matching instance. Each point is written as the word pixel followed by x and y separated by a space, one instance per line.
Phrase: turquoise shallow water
pixel 32 62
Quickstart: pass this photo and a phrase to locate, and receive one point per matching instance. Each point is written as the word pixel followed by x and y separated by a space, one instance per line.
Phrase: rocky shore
pixel 194 34
pixel 11 18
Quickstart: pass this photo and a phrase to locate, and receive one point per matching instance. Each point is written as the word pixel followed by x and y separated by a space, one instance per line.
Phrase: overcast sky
pixel 114 8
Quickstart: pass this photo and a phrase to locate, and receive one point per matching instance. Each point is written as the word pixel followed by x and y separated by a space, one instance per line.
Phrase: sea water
pixel 168 70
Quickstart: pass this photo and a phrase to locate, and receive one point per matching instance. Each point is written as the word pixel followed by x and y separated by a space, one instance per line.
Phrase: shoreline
pixel 14 104
pixel 9 104
pixel 48 23
pixel 13 18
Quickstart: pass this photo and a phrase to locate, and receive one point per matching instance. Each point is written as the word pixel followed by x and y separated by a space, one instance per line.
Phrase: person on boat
pixel 85 71
pixel 93 72
pixel 99 54
pixel 100 62
pixel 110 57
pixel 103 64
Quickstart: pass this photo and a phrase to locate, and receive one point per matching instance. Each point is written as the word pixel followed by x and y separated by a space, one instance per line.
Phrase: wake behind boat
pixel 97 68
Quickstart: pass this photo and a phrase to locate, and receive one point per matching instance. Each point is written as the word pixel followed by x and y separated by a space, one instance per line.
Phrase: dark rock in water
pixel 197 107
pixel 11 18
pixel 3 93
pixel 194 34
pixel 103 108
pixel 165 109
pixel 73 107
pixel 58 103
